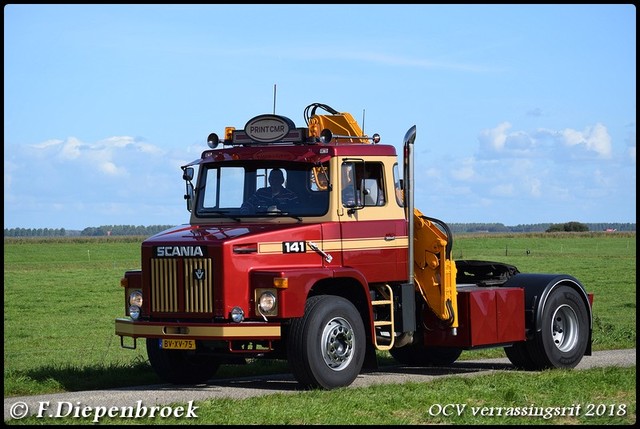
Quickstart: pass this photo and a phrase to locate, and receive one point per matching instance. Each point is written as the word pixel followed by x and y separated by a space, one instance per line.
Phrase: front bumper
pixel 198 331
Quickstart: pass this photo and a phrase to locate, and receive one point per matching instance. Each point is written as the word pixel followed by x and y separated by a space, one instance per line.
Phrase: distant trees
pixel 105 230
pixel 568 227
pixel 35 232
pixel 108 230
pixel 478 227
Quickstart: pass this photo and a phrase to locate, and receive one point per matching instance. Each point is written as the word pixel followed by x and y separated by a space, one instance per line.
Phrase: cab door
pixel 372 223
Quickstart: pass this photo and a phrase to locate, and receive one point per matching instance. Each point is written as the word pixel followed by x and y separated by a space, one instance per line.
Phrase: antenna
pixel 363 121
pixel 274 98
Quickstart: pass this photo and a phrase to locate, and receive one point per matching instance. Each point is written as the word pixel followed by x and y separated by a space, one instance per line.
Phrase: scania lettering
pixel 342 269
pixel 179 251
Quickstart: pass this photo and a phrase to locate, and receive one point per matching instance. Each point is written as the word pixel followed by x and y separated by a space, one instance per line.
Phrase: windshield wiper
pixel 225 213
pixel 271 213
pixel 298 218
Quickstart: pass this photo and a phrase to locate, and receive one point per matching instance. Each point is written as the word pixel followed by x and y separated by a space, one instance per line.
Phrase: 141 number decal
pixel 294 247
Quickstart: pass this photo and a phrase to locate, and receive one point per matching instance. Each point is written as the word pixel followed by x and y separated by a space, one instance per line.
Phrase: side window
pixel 373 185
pixel 398 186
pixel 350 195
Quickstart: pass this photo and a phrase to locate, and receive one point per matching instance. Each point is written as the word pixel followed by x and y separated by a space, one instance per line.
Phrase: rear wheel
pixel 180 366
pixel 519 356
pixel 326 346
pixel 563 337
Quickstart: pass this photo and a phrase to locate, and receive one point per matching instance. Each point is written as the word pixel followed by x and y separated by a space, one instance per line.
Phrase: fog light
pixel 267 302
pixel 237 315
pixel 134 312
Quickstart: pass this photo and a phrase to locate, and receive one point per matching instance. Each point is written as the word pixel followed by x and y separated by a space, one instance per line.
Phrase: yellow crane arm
pixel 341 124
pixel 434 274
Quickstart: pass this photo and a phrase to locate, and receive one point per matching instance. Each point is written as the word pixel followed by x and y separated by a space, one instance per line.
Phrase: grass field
pixel 61 297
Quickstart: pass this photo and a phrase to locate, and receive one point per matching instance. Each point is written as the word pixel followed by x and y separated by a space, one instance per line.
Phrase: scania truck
pixel 324 281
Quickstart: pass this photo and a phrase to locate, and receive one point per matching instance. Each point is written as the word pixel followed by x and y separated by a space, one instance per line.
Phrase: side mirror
pixel 188 196
pixel 187 174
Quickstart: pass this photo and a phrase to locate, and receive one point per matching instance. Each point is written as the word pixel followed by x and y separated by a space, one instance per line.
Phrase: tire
pixel 563 339
pixel 419 355
pixel 180 366
pixel 326 346
pixel 518 355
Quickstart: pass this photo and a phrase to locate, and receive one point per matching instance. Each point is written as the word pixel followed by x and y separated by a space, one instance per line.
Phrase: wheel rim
pixel 337 343
pixel 564 328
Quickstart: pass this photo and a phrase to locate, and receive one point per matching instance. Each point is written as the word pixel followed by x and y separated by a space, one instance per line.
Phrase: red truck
pixel 303 244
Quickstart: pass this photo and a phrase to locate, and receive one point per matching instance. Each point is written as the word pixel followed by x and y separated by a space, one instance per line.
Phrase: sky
pixel 524 114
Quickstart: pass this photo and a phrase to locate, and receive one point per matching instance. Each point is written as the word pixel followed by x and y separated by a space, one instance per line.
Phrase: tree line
pixel 456 228
pixel 541 227
pixel 99 231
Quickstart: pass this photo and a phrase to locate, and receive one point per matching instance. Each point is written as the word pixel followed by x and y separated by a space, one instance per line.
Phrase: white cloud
pixel 465 171
pixel 116 141
pixel 534 175
pixel 593 139
pixel 113 156
pixel 116 176
pixel 494 139
pixel 535 188
pixel 111 169
pixel 503 190
pixel 71 149
pixel 593 142
pixel 48 143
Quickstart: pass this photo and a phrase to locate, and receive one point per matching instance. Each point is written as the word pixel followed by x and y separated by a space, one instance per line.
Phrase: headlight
pixel 267 303
pixel 135 304
pixel 135 298
pixel 134 312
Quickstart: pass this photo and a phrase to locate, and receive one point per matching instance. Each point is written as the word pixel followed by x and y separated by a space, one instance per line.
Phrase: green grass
pixel 61 297
pixel 600 396
pixel 422 403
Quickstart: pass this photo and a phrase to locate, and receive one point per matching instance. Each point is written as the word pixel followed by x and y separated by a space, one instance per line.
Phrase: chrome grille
pixel 176 287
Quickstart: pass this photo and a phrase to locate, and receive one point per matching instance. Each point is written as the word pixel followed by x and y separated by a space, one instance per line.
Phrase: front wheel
pixel 326 346
pixel 180 366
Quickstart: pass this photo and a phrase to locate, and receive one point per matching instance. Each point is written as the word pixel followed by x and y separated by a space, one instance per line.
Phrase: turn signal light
pixel 281 282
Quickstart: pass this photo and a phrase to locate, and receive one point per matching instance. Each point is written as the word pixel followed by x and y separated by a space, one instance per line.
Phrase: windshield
pixel 260 189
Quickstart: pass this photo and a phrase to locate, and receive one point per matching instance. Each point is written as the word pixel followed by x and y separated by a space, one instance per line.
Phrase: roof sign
pixel 268 128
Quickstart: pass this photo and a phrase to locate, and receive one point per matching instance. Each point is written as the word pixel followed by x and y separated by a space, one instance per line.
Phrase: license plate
pixel 178 344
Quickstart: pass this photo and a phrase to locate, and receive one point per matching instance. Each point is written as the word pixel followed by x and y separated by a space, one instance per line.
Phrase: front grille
pixel 181 285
